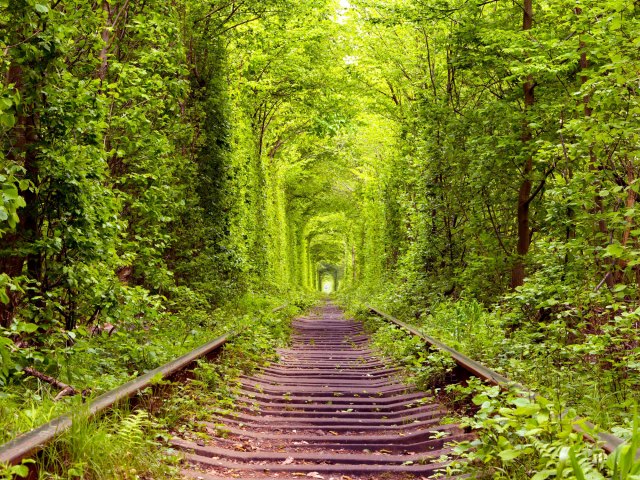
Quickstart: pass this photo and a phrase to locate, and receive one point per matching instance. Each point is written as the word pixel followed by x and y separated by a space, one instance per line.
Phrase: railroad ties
pixel 329 409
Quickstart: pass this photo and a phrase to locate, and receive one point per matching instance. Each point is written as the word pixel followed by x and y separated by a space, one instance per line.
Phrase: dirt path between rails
pixel 330 409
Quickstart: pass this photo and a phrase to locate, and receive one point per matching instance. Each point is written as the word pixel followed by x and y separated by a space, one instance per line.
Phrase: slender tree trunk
pixel 106 34
pixel 524 194
pixel 630 201
pixel 12 260
pixel 353 264
pixel 601 227
pixel 620 265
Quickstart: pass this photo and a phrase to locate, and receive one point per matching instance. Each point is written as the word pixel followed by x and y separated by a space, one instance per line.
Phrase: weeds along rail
pixel 608 441
pixel 31 442
pixel 27 444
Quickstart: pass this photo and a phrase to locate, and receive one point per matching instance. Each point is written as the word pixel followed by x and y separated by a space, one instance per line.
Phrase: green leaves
pixel 511 454
pixel 614 250
pixel 13 471
pixel 24 327
pixel 12 201
pixel 41 8
pixel 7 120
pixel 623 463
pixel 523 438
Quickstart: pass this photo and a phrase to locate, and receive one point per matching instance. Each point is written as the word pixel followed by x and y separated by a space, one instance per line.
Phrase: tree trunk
pixel 524 230
pixel 12 259
pixel 601 227
pixel 104 63
pixel 619 266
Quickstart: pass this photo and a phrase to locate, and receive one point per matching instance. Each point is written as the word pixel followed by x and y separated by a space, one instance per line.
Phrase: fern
pixel 131 430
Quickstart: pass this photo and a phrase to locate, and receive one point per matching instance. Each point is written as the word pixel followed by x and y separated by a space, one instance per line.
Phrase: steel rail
pixel 607 441
pixel 23 446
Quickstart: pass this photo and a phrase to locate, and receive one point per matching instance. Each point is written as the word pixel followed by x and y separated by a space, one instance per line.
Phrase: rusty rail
pixel 608 441
pixel 465 362
pixel 281 307
pixel 23 446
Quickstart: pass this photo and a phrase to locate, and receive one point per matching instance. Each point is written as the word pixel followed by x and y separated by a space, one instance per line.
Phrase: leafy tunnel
pixel 472 165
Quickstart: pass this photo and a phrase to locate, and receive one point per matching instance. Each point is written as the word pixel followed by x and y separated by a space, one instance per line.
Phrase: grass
pixel 518 439
pixel 124 445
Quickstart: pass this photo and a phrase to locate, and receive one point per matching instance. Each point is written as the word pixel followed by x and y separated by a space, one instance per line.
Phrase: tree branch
pixel 65 390
pixel 541 186
pixel 495 229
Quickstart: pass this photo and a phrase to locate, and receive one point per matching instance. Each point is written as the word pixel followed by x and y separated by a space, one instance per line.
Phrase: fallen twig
pixel 65 390
pixel 602 282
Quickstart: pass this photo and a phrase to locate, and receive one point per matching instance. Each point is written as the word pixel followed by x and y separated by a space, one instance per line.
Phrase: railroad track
pixel 329 409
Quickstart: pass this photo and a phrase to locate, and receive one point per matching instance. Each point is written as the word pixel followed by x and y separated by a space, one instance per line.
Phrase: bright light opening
pixel 328 284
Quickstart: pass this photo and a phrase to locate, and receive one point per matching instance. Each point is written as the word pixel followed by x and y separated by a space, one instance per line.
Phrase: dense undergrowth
pixel 520 437
pixel 593 372
pixel 101 362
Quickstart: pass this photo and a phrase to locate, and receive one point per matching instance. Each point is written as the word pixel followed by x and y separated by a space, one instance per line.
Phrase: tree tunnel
pixel 326 238
pixel 329 277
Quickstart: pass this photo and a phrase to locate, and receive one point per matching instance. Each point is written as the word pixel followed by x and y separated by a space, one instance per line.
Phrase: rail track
pixel 328 409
